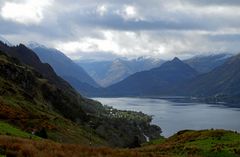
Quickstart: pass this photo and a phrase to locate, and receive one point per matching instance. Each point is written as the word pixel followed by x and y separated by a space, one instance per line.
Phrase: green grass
pixel 7 129
pixel 204 143
pixel 218 143
pixel 72 133
pixel 219 140
pixel 154 142
pixel 218 154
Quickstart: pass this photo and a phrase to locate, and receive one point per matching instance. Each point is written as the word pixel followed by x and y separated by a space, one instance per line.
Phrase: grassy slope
pixel 206 143
pixel 209 143
pixel 27 113
pixel 19 112
pixel 7 129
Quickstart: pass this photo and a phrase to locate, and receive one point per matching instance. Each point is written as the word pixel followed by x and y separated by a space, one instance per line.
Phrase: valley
pixel 124 78
pixel 39 107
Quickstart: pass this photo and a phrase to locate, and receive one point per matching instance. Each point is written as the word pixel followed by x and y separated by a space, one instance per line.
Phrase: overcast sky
pixel 106 29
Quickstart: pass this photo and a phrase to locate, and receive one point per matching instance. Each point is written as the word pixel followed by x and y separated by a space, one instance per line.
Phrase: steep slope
pixel 156 81
pixel 62 65
pixel 29 58
pixel 30 100
pixel 204 64
pixel 223 80
pixel 109 72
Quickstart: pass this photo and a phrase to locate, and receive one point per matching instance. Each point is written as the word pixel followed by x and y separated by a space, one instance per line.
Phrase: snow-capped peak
pixel 5 41
pixel 33 45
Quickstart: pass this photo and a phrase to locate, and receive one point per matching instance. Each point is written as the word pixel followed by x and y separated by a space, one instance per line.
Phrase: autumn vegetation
pixel 205 143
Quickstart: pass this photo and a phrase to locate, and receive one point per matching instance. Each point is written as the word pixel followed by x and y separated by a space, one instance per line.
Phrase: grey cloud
pixel 215 2
pixel 178 21
pixel 71 20
pixel 225 37
pixel 100 56
pixel 118 23
pixel 85 16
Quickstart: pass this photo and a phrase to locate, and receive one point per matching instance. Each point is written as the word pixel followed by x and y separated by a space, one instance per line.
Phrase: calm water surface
pixel 173 116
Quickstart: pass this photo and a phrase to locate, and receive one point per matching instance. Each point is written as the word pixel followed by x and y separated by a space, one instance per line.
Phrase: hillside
pixel 205 143
pixel 107 73
pixel 223 81
pixel 31 101
pixel 63 65
pixel 206 63
pixel 29 58
pixel 157 81
pixel 27 101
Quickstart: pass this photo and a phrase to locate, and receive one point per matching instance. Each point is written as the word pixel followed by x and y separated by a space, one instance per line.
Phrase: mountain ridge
pixel 206 63
pixel 63 65
pixel 223 80
pixel 155 81
pixel 107 73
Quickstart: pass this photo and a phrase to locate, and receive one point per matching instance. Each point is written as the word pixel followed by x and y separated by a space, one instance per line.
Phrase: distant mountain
pixel 63 66
pixel 96 69
pixel 109 72
pixel 204 64
pixel 223 80
pixel 157 81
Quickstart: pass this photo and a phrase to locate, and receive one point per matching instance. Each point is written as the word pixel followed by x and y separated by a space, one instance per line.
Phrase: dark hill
pixel 223 80
pixel 205 64
pixel 157 81
pixel 28 57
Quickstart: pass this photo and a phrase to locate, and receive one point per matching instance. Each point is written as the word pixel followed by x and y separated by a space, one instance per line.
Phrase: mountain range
pixel 176 78
pixel 156 81
pixel 201 76
pixel 107 73
pixel 114 73
pixel 145 76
